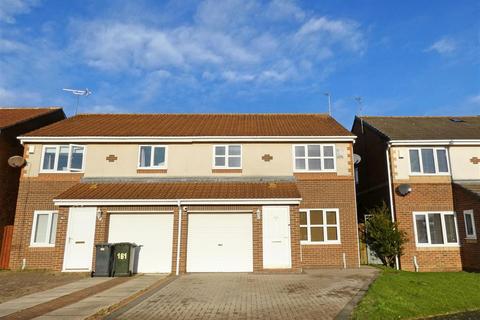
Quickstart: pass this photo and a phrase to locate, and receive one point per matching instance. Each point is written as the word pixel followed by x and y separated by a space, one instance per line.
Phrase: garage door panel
pixel 154 232
pixel 219 243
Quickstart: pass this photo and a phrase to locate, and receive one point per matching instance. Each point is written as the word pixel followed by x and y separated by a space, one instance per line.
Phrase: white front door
pixel 80 237
pixel 220 242
pixel 276 238
pixel 153 232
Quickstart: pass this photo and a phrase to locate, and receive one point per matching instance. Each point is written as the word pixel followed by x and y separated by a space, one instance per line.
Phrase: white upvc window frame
pixel 226 156
pixel 435 161
pixel 152 155
pixel 69 160
pixel 322 157
pixel 465 214
pixel 324 225
pixel 444 229
pixel 36 213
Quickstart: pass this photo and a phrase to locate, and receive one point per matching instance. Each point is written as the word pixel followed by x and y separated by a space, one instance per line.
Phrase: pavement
pixel 77 300
pixel 315 294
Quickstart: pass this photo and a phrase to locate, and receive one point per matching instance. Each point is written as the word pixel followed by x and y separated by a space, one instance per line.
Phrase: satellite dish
pixel 404 189
pixel 356 159
pixel 16 161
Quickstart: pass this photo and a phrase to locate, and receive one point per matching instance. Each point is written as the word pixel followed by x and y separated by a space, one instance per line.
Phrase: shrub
pixel 383 236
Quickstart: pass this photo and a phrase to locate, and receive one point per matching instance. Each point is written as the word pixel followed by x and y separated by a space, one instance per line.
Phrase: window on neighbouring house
pixel 153 157
pixel 319 226
pixel 63 158
pixel 435 229
pixel 314 157
pixel 428 161
pixel 44 228
pixel 228 156
pixel 470 229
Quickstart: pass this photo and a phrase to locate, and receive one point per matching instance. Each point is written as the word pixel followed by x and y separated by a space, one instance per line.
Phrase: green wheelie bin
pixel 123 259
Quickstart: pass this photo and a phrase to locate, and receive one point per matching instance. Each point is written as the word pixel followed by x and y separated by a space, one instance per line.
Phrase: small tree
pixel 383 236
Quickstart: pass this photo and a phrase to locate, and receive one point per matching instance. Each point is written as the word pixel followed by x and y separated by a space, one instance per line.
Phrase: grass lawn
pixel 410 295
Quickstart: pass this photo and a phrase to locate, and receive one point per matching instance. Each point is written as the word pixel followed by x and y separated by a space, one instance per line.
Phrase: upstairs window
pixel 428 161
pixel 63 158
pixel 435 229
pixel 227 156
pixel 44 229
pixel 152 157
pixel 470 229
pixel 314 157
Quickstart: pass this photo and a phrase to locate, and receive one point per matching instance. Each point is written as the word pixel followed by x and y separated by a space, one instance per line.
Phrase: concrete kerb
pixel 346 312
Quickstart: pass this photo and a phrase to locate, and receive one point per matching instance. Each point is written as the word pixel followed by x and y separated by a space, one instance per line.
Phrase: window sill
pixel 443 174
pixel 438 247
pixel 42 245
pixel 60 172
pixel 153 170
pixel 227 170
pixel 319 243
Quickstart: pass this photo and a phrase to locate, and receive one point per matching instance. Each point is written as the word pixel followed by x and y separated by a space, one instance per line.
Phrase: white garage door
pixel 153 232
pixel 219 242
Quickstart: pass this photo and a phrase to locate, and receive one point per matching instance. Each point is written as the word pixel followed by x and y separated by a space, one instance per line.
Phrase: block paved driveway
pixel 315 294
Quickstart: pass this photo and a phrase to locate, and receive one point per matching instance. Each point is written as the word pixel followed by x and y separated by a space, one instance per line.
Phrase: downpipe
pixel 390 191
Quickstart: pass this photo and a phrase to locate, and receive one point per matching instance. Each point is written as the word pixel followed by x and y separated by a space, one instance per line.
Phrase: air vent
pixel 456 120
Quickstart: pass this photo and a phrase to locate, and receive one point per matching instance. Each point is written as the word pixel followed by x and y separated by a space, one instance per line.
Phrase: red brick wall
pixel 430 198
pixel 470 250
pixel 9 177
pixel 36 194
pixel 8 180
pixel 337 193
pixel 372 188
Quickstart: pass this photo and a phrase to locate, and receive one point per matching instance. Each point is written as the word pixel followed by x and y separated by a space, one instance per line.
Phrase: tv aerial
pixel 78 93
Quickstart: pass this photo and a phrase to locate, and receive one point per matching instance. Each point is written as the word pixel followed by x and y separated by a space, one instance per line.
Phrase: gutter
pixel 185 139
pixel 390 191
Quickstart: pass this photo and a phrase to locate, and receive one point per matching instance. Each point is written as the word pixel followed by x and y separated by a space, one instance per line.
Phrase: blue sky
pixel 401 57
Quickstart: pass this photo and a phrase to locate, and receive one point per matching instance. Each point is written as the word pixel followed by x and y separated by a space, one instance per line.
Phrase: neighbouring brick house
pixel 15 122
pixel 199 192
pixel 428 170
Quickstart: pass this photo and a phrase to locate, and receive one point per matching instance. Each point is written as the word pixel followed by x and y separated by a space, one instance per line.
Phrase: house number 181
pixel 121 255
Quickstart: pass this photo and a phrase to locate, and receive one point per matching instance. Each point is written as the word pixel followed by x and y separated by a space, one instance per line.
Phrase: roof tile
pixel 12 116
pixel 426 128
pixel 181 190
pixel 190 125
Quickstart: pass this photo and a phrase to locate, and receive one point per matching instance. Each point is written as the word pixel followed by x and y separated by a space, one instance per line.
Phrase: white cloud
pixel 10 8
pixel 443 46
pixel 17 97
pixel 474 99
pixel 9 46
pixel 330 31
pixel 233 40
pixel 284 9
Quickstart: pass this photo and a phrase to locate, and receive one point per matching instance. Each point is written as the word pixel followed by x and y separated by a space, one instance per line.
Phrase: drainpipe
pixel 415 263
pixel 179 236
pixel 392 212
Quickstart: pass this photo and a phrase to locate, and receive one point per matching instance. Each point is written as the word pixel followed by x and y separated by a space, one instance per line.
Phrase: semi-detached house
pixel 197 192
pixel 428 170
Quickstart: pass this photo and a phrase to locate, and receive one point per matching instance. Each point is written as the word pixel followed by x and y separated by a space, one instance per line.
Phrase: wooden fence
pixel 6 246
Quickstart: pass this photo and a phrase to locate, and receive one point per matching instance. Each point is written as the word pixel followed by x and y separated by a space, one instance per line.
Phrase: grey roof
pixel 425 128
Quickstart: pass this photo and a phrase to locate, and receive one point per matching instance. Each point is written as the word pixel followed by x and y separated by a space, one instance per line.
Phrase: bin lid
pixel 125 243
pixel 103 244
